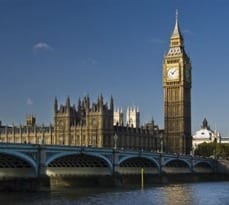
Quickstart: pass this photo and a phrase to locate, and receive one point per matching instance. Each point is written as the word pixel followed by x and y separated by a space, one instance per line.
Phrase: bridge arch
pixel 176 166
pixel 177 163
pixel 59 155
pixel 130 165
pixel 204 163
pixel 22 157
pixel 66 154
pixel 203 166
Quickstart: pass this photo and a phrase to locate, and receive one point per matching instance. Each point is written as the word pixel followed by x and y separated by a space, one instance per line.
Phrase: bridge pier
pixel 19 184
pixel 115 161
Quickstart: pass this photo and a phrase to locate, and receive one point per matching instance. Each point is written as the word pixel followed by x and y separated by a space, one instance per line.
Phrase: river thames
pixel 206 193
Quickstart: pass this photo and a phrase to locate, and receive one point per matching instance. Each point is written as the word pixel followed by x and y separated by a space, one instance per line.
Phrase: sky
pixel 75 48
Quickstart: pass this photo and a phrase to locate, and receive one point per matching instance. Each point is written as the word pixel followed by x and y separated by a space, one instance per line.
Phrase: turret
pixel 133 117
pixel 79 105
pixel 86 103
pixel 55 105
pixel 101 102
pixel 112 104
pixel 205 124
pixel 68 102
pixel 68 105
pixel 152 121
pixel 30 121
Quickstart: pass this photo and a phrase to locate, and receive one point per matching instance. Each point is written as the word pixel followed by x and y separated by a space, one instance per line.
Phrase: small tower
pixel 68 104
pixel 111 103
pixel 99 122
pixel 205 124
pixel 55 105
pixel 133 117
pixel 30 121
pixel 118 117
pixel 63 118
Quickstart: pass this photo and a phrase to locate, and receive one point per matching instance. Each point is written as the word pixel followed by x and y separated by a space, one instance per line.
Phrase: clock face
pixel 173 73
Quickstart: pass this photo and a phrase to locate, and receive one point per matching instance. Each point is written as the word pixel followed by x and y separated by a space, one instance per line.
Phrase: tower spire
pixel 176 39
pixel 176 30
pixel 55 105
pixel 176 15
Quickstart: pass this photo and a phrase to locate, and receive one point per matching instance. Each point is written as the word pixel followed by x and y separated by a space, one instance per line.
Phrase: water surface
pixel 208 193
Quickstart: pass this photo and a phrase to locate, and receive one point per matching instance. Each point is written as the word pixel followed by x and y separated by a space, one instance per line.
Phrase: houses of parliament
pixel 88 124
pixel 95 124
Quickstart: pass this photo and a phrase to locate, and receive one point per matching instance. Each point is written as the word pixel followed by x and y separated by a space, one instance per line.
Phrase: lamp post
pixel 184 145
pixel 115 141
pixel 161 142
pixel 43 134
pixel 215 143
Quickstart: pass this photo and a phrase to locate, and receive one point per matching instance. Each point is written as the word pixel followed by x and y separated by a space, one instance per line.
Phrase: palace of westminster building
pixel 96 124
pixel 89 124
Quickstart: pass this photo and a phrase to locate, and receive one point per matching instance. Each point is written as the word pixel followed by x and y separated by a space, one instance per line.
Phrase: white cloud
pixel 188 32
pixel 90 61
pixel 29 101
pixel 42 46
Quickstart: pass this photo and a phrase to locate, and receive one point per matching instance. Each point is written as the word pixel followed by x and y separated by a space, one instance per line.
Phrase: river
pixel 205 193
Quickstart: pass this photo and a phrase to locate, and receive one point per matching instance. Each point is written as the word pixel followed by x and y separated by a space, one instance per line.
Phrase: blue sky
pixel 72 48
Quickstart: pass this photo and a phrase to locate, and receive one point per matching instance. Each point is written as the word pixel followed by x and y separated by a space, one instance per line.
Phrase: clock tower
pixel 177 95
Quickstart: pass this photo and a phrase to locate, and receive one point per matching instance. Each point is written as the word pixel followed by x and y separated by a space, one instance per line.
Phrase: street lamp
pixel 184 145
pixel 43 134
pixel 161 142
pixel 215 143
pixel 115 141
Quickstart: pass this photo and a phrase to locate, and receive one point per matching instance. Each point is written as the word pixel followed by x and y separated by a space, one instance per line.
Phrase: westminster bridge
pixel 35 161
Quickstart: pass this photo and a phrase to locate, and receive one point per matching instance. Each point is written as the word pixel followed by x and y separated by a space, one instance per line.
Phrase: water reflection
pixel 178 194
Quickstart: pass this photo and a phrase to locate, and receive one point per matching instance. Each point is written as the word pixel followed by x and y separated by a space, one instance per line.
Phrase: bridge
pixel 36 161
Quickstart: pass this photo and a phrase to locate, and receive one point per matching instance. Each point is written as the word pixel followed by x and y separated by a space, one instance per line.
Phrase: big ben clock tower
pixel 177 95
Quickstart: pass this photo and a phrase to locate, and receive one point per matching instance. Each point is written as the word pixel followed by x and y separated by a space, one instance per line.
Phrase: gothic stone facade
pixel 87 125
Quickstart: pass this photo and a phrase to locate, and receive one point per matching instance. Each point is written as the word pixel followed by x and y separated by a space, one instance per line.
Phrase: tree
pixel 213 149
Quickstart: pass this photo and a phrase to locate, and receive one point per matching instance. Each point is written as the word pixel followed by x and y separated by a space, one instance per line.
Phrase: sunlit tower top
pixel 133 117
pixel 118 117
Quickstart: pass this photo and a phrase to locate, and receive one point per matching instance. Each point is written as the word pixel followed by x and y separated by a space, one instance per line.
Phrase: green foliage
pixel 212 149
